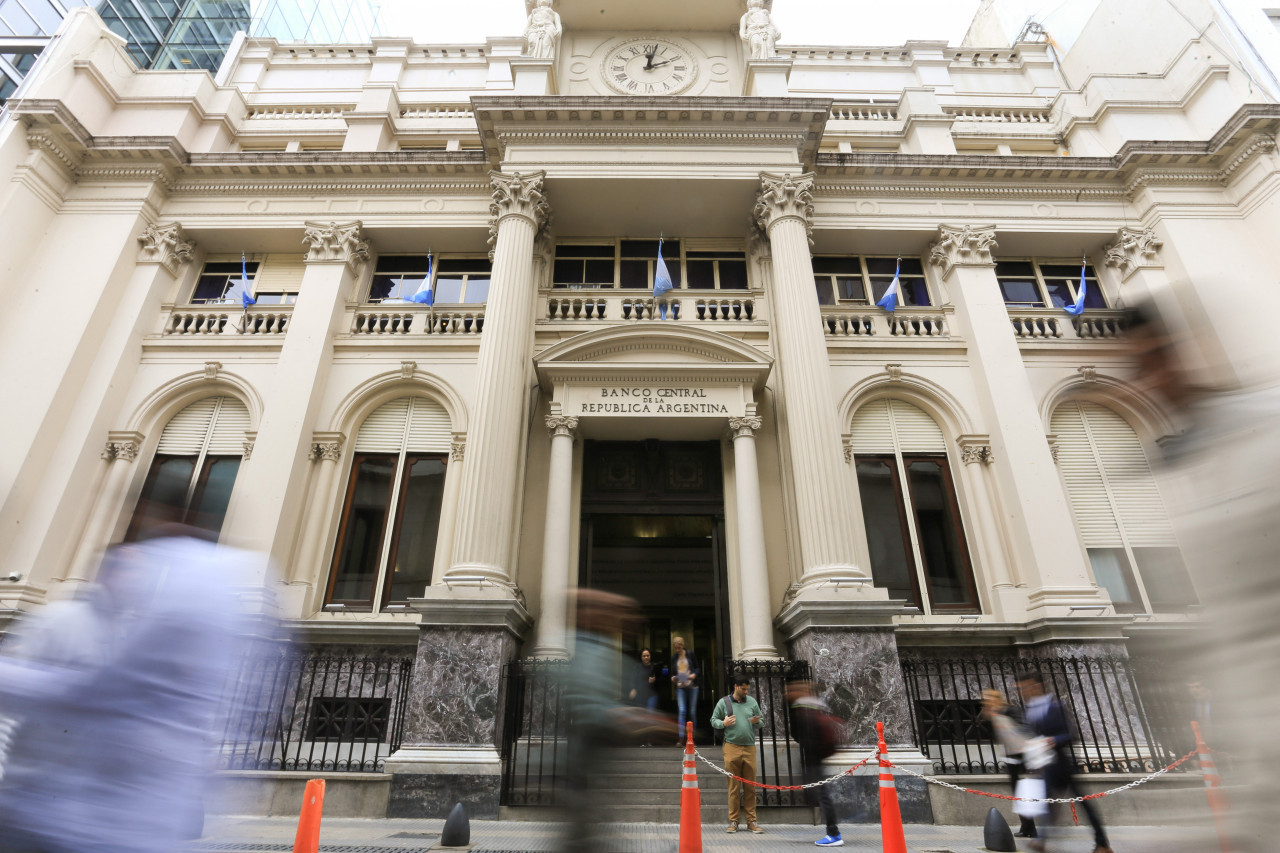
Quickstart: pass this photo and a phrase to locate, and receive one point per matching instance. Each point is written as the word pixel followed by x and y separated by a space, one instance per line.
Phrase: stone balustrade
pixel 1044 324
pixel 864 112
pixel 227 320
pixel 195 322
pixel 1012 115
pixel 626 308
pixel 865 322
pixel 374 320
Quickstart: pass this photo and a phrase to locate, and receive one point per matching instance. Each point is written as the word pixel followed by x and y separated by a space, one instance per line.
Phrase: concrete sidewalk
pixel 344 835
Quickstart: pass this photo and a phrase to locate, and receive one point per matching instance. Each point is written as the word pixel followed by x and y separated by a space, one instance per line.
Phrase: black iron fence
pixel 777 755
pixel 1121 727
pixel 303 710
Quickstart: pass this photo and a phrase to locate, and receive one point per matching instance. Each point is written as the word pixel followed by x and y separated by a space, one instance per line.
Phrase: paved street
pixel 376 836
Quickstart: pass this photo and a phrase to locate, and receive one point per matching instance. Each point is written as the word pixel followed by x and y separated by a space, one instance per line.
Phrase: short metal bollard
pixel 996 834
pixel 457 829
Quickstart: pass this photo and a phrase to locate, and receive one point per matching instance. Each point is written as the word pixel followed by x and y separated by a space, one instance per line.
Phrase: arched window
pixel 917 542
pixel 194 468
pixel 387 541
pixel 1118 510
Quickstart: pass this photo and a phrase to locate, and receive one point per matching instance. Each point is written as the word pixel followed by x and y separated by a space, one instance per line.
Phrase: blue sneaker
pixel 830 841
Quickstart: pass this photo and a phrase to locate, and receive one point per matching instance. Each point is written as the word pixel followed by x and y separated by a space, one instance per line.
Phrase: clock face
pixel 650 66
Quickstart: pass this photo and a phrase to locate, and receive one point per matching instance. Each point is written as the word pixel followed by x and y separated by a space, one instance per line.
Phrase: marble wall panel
pixel 418 796
pixel 857 799
pixel 454 697
pixel 861 680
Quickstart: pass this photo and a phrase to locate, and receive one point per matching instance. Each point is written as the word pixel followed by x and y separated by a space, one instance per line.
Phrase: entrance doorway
pixel 653 529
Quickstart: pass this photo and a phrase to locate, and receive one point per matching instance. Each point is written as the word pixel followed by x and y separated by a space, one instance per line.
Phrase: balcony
pixel 229 320
pixel 845 324
pixel 610 307
pixel 1035 325
pixel 417 321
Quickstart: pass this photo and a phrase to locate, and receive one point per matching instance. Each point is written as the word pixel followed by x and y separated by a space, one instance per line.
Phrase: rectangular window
pixel 941 537
pixel 1165 577
pixel 216 279
pixel 884 515
pixel 364 525
pixel 716 270
pixel 858 280
pixel 632 264
pixel 1112 570
pixel 582 266
pixel 455 280
pixel 413 551
pixel 1041 284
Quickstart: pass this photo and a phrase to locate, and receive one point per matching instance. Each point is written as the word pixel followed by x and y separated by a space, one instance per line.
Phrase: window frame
pixel 868 278
pixel 252 267
pixel 436 263
pixel 677 264
pixel 1042 286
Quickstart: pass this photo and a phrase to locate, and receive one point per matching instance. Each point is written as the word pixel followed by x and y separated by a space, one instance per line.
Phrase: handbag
pixel 1030 788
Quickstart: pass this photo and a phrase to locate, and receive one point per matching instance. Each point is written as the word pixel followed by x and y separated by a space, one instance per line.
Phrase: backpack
pixel 829 734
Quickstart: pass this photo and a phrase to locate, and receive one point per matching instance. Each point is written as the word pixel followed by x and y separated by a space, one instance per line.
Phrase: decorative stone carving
pixel 782 197
pixel 542 33
pixel 458 450
pixel 126 450
pixel 165 245
pixel 211 369
pixel 330 451
pixel 975 448
pixel 1088 373
pixel 248 450
pixel 407 369
pixel 561 424
pixel 757 30
pixel 519 195
pixel 333 242
pixel 1053 445
pixel 894 371
pixel 848 449
pixel 745 426
pixel 1133 249
pixel 965 246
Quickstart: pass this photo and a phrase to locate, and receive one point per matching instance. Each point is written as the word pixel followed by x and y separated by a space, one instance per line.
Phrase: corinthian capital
pixel 519 195
pixel 165 245
pixel 334 242
pixel 1133 249
pixel 784 197
pixel 963 247
pixel 745 426
pixel 561 425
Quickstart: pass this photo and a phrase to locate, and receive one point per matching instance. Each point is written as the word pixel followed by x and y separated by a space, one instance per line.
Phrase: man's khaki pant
pixel 741 761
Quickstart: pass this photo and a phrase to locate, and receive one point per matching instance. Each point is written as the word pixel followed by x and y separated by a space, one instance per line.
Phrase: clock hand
pixel 662 63
pixel 648 57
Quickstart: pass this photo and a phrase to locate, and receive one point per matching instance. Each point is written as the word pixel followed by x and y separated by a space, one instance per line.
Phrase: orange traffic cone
pixel 690 801
pixel 308 838
pixel 1212 781
pixel 891 837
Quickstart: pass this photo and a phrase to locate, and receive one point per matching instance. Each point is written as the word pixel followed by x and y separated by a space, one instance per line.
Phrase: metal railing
pixel 534 733
pixel 311 711
pixel 1118 729
pixel 777 754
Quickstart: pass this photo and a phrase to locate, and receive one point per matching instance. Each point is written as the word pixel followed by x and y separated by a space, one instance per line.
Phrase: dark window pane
pixel 915 292
pixel 567 272
pixel 209 288
pixel 1015 269
pixel 1093 296
pixel 1059 292
pixel 635 274
pixel 891 564
pixel 850 288
pixel 213 492
pixel 837 266
pixel 585 252
pixel 733 275
pixel 1165 576
pixel 1021 292
pixel 471 265
pixel 734 256
pixel 1111 569
pixel 598 272
pixel 825 294
pixel 415 545
pixel 164 494
pixel 382 286
pixel 364 521
pixel 946 565
pixel 882 266
pixel 401 263
pixel 702 275
pixel 649 249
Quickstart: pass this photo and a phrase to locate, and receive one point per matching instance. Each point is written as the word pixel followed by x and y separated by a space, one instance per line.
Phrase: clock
pixel 649 66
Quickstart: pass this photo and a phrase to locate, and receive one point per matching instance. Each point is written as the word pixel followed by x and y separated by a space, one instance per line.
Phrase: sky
pixel 824 22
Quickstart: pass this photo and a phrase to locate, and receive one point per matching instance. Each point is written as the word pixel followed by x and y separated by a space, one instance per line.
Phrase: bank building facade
pixel 907 504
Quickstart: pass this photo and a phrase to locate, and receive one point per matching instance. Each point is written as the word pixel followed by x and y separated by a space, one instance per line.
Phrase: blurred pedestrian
pixel 111 751
pixel 811 725
pixel 1012 734
pixel 644 687
pixel 1046 718
pixel 685 672
pixel 739 715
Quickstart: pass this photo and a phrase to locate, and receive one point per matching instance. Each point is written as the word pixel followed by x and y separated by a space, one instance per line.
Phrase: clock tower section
pixel 655 48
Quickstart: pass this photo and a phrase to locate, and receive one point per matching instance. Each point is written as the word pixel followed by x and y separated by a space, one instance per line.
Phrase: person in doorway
pixel 810 718
pixel 647 688
pixel 685 672
pixel 740 717
pixel 1012 734
pixel 1047 719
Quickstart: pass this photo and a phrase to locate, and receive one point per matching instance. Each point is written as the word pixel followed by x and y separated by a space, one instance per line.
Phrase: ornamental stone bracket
pixel 336 243
pixel 1133 249
pixel 458 447
pixel 745 426
pixel 1088 373
pixel 784 197
pixel 967 246
pixel 975 448
pixel 1052 439
pixel 561 425
pixel 326 446
pixel 122 445
pixel 846 445
pixel 517 195
pixel 166 245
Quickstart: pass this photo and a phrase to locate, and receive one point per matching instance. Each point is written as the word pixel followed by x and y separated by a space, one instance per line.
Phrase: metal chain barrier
pixel 933 780
pixel 828 781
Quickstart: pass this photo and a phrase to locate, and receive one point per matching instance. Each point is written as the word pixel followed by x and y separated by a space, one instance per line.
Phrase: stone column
pixel 496 437
pixel 119 454
pixel 1036 512
pixel 823 509
pixel 309 570
pixel 277 475
pixel 753 567
pixel 556 541
pixel 1135 256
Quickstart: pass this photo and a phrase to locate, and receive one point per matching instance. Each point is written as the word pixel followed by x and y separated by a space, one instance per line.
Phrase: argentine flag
pixel 661 280
pixel 1079 306
pixel 891 296
pixel 424 294
pixel 240 287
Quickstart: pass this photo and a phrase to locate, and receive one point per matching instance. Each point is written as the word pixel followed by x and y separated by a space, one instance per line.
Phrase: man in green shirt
pixel 739 716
